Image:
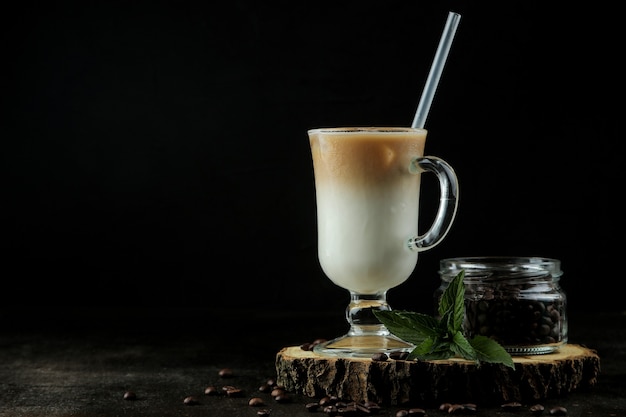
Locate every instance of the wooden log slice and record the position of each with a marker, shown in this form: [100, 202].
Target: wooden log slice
[396, 382]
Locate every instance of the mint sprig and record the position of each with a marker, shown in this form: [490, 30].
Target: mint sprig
[443, 338]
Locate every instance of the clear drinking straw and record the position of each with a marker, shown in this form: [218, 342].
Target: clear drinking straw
[435, 70]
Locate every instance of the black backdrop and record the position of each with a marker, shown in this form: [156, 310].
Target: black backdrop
[155, 153]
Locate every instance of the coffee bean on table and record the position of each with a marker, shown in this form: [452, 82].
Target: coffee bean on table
[282, 398]
[366, 407]
[234, 392]
[211, 390]
[371, 405]
[445, 407]
[331, 410]
[265, 388]
[512, 406]
[256, 402]
[558, 411]
[312, 406]
[456, 409]
[277, 391]
[348, 409]
[470, 408]
[263, 413]
[130, 396]
[226, 373]
[328, 400]
[536, 409]
[191, 400]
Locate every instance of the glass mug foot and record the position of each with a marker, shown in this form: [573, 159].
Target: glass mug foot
[363, 346]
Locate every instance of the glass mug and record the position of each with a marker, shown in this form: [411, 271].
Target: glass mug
[367, 183]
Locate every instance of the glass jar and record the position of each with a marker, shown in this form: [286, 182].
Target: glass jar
[516, 301]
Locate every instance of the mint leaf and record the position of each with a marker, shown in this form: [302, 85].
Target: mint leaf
[432, 348]
[488, 350]
[462, 347]
[443, 338]
[451, 305]
[409, 326]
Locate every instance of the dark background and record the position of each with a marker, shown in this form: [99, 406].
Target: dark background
[155, 155]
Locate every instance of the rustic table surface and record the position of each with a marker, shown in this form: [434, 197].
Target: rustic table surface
[83, 362]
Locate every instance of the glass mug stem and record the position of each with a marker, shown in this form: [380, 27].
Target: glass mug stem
[367, 335]
[360, 313]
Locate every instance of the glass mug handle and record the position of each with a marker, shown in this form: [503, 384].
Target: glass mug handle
[448, 201]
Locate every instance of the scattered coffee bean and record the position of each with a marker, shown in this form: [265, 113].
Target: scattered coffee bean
[277, 391]
[282, 398]
[263, 413]
[364, 410]
[347, 410]
[234, 392]
[333, 406]
[256, 402]
[558, 411]
[191, 400]
[265, 388]
[367, 408]
[312, 407]
[326, 401]
[271, 382]
[380, 357]
[445, 406]
[130, 396]
[536, 409]
[226, 373]
[512, 406]
[417, 412]
[402, 413]
[211, 390]
[456, 409]
[371, 404]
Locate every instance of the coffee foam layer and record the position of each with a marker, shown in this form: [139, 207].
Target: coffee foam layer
[364, 157]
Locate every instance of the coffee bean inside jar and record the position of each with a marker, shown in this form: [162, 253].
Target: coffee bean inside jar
[516, 301]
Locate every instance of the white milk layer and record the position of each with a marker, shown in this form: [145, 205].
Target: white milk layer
[363, 236]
